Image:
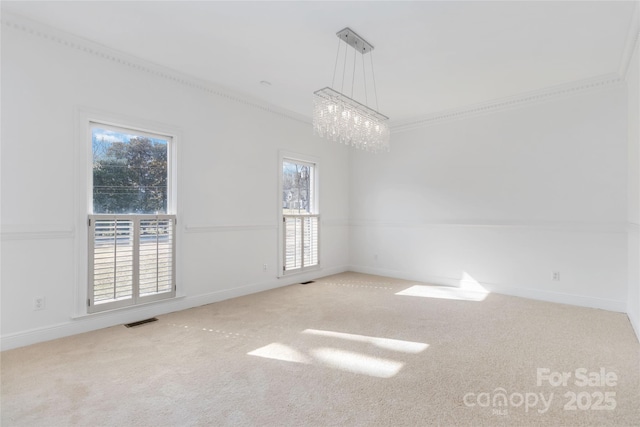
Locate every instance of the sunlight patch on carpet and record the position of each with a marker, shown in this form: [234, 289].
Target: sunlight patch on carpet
[468, 289]
[282, 352]
[348, 361]
[357, 363]
[443, 292]
[386, 343]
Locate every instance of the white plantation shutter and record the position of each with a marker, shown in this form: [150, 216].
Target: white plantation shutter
[310, 233]
[293, 243]
[132, 259]
[301, 241]
[156, 256]
[113, 242]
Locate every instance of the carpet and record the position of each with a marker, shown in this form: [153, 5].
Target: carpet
[346, 350]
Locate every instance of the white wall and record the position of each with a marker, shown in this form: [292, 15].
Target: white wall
[503, 200]
[227, 177]
[633, 91]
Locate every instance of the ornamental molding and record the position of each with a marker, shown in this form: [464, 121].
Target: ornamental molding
[16, 22]
[508, 103]
[54, 35]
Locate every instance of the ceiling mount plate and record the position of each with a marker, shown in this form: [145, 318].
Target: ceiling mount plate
[354, 40]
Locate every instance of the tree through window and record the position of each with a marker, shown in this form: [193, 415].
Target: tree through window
[296, 188]
[129, 173]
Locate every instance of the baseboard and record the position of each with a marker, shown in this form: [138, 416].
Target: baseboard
[107, 319]
[634, 319]
[561, 298]
[635, 324]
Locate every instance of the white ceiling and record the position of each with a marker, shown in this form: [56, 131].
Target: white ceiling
[429, 56]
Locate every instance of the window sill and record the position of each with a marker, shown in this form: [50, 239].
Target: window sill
[300, 272]
[127, 308]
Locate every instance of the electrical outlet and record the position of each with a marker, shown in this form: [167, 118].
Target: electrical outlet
[556, 276]
[38, 303]
[375, 257]
[264, 267]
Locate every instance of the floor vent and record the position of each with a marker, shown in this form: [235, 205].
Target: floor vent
[306, 283]
[140, 322]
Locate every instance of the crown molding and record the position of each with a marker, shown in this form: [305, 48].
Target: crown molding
[508, 103]
[17, 22]
[632, 42]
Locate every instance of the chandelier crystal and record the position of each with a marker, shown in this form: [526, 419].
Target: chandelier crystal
[340, 118]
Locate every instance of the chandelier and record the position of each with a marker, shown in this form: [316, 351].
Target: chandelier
[339, 117]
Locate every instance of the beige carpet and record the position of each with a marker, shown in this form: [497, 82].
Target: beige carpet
[346, 350]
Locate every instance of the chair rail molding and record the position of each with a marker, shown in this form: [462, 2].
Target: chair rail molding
[559, 226]
[35, 232]
[222, 227]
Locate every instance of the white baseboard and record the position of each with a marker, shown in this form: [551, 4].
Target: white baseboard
[635, 323]
[92, 322]
[561, 298]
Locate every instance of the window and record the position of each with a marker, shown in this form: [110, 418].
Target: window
[300, 219]
[131, 225]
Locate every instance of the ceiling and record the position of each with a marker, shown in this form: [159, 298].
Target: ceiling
[429, 56]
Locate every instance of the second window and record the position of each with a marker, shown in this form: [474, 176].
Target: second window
[300, 218]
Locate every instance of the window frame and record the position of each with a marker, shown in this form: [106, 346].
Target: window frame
[314, 208]
[85, 118]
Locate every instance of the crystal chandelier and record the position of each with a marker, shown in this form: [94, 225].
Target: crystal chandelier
[339, 117]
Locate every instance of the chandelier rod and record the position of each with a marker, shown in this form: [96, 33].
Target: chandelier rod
[335, 67]
[364, 74]
[375, 90]
[344, 69]
[353, 79]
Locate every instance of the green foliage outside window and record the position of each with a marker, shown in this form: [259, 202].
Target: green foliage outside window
[129, 173]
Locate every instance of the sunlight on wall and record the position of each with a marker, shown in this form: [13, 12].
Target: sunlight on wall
[386, 343]
[469, 283]
[469, 290]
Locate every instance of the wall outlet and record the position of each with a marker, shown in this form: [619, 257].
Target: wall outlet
[375, 257]
[556, 276]
[264, 267]
[38, 303]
